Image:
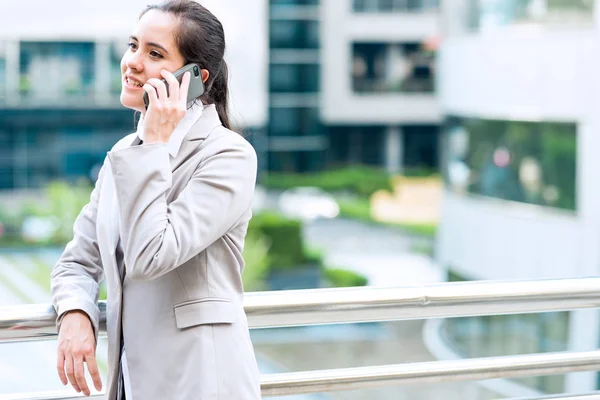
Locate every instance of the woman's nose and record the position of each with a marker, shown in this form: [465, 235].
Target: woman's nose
[134, 62]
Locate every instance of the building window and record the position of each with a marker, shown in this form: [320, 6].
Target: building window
[294, 34]
[385, 67]
[7, 155]
[294, 122]
[38, 146]
[420, 154]
[529, 162]
[394, 5]
[489, 15]
[350, 145]
[52, 71]
[294, 78]
[296, 161]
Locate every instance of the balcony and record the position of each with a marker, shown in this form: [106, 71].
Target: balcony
[388, 68]
[332, 306]
[47, 75]
[386, 6]
[485, 16]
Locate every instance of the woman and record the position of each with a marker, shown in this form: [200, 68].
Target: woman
[165, 226]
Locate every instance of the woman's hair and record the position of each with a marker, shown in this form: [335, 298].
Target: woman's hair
[201, 40]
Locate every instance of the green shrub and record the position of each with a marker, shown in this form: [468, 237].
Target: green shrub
[360, 180]
[359, 208]
[10, 226]
[314, 256]
[257, 260]
[63, 203]
[426, 230]
[343, 278]
[286, 247]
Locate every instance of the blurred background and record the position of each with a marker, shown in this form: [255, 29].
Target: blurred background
[400, 143]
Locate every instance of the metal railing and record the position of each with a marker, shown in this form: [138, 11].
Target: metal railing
[330, 306]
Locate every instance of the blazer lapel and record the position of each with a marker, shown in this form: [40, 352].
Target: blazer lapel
[113, 219]
[197, 133]
[107, 222]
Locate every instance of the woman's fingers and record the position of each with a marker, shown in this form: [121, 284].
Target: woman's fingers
[60, 367]
[152, 95]
[92, 367]
[69, 366]
[161, 88]
[173, 84]
[79, 372]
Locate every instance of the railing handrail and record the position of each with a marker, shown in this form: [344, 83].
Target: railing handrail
[326, 306]
[294, 383]
[366, 304]
[586, 396]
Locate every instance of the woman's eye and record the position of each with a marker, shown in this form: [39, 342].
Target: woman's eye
[132, 45]
[155, 54]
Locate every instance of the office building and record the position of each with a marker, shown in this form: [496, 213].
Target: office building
[353, 82]
[519, 93]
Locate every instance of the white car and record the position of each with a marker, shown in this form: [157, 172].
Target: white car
[308, 203]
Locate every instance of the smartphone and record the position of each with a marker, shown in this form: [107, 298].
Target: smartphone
[196, 88]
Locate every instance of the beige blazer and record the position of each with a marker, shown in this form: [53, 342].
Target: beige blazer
[182, 223]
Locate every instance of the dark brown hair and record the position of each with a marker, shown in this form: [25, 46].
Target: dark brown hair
[201, 40]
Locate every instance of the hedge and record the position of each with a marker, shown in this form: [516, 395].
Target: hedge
[359, 180]
[284, 235]
[343, 278]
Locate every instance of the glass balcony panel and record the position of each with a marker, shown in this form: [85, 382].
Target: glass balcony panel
[528, 162]
[392, 67]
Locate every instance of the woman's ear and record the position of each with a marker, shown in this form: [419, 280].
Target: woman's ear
[205, 74]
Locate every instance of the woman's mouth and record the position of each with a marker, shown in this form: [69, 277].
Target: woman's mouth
[133, 82]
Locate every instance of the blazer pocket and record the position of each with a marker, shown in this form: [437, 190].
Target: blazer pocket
[204, 312]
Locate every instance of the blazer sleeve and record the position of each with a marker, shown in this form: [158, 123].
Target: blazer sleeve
[158, 237]
[78, 272]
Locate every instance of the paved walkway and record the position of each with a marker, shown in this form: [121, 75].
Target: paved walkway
[386, 256]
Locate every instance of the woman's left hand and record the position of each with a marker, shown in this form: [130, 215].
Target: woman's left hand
[164, 112]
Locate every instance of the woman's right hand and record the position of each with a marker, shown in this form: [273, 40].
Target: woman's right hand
[76, 345]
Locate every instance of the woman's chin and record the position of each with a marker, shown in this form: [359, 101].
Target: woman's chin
[127, 100]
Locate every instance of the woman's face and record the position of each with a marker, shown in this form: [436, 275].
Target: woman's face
[151, 49]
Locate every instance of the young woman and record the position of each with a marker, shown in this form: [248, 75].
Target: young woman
[165, 226]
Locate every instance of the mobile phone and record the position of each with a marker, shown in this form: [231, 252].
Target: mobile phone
[196, 88]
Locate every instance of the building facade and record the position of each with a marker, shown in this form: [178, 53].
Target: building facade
[518, 90]
[353, 82]
[296, 138]
[378, 67]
